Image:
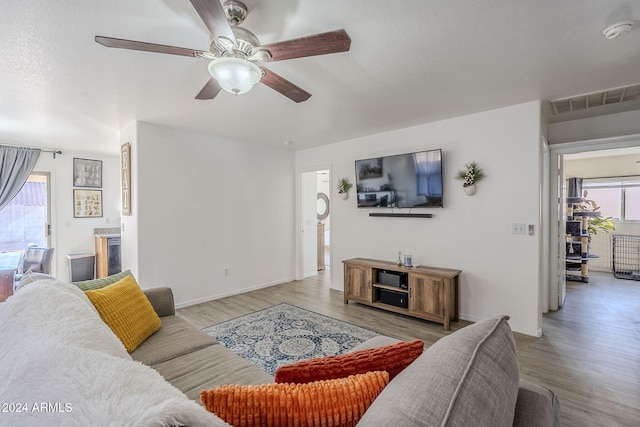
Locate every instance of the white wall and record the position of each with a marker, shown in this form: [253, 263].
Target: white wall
[596, 167]
[626, 123]
[500, 271]
[203, 205]
[75, 235]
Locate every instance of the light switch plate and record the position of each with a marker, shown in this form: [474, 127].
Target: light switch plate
[518, 228]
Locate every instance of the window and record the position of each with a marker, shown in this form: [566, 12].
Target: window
[632, 203]
[618, 198]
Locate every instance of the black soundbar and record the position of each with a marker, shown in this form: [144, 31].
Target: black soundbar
[401, 215]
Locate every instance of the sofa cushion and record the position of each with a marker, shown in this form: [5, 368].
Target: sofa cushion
[467, 378]
[210, 367]
[338, 402]
[35, 314]
[536, 407]
[391, 358]
[30, 277]
[126, 310]
[88, 285]
[176, 337]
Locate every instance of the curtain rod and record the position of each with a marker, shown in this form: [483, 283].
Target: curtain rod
[55, 151]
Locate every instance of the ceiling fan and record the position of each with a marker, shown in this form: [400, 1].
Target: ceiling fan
[235, 51]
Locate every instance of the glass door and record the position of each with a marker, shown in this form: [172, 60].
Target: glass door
[26, 220]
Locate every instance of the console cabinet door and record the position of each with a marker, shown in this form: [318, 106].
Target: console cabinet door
[426, 297]
[357, 283]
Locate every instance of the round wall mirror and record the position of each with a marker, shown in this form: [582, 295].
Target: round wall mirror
[323, 206]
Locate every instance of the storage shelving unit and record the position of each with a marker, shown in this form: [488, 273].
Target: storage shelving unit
[577, 242]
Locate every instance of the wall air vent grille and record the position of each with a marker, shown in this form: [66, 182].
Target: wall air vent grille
[595, 99]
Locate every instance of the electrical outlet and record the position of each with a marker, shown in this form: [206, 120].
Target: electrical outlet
[518, 228]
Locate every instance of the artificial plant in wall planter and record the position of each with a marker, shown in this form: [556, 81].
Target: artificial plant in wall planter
[469, 176]
[343, 188]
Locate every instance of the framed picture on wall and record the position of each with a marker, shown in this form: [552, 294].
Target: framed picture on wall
[87, 173]
[87, 203]
[125, 178]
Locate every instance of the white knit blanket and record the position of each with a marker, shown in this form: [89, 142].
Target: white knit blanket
[60, 365]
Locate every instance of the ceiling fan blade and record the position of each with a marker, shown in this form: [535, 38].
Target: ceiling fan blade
[210, 90]
[147, 47]
[213, 16]
[318, 44]
[283, 86]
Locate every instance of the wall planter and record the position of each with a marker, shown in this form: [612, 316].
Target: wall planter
[343, 188]
[470, 190]
[469, 176]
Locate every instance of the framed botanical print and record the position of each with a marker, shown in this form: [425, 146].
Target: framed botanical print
[87, 173]
[87, 203]
[125, 178]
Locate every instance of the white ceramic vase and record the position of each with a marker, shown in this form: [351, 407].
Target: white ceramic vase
[470, 190]
[344, 196]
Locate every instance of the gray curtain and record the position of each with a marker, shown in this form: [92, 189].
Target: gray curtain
[16, 163]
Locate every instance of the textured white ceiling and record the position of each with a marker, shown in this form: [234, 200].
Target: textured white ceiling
[411, 62]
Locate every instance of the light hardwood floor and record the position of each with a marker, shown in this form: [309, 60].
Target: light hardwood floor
[589, 354]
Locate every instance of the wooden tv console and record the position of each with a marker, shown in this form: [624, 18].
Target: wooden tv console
[432, 292]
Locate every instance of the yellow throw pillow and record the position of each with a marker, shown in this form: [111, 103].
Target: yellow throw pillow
[337, 402]
[127, 311]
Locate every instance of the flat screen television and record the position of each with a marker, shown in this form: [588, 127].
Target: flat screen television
[412, 180]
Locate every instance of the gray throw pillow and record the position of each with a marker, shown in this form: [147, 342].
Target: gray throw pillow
[90, 285]
[470, 377]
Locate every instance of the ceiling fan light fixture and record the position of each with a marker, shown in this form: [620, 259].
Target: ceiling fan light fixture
[235, 75]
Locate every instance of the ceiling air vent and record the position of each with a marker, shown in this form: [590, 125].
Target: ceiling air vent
[596, 99]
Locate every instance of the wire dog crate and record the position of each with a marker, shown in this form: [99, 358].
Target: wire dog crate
[626, 256]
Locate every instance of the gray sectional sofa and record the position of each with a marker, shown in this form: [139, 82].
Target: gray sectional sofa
[468, 378]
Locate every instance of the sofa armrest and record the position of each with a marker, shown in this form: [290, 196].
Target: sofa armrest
[161, 300]
[536, 406]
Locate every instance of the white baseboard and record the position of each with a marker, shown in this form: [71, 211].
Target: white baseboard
[232, 293]
[532, 333]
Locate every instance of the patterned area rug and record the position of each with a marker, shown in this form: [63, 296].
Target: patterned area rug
[285, 334]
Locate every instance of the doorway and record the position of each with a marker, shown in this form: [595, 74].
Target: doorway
[314, 223]
[559, 152]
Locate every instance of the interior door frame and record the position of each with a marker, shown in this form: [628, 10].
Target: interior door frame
[556, 205]
[299, 213]
[49, 225]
